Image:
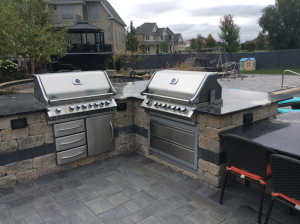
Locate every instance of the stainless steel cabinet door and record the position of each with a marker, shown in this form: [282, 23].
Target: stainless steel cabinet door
[100, 134]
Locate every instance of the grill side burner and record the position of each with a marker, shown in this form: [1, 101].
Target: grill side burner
[171, 100]
[80, 105]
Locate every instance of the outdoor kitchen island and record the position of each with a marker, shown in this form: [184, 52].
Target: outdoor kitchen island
[28, 152]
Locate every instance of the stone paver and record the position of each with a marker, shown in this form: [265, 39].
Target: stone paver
[143, 191]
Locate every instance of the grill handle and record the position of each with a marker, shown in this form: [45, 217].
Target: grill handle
[81, 97]
[112, 135]
[68, 157]
[66, 129]
[167, 97]
[67, 143]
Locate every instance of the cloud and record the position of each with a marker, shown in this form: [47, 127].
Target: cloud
[236, 10]
[146, 10]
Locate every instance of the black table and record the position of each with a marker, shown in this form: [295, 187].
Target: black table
[282, 134]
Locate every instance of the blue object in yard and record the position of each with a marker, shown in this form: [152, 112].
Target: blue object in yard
[293, 100]
[280, 110]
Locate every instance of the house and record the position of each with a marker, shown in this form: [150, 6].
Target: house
[150, 36]
[187, 43]
[96, 30]
[247, 64]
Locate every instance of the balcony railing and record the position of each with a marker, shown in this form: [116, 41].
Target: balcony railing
[66, 20]
[90, 48]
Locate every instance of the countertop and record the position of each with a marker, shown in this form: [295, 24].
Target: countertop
[234, 100]
[280, 133]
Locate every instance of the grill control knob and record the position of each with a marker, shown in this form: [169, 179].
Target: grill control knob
[84, 105]
[96, 104]
[177, 108]
[183, 109]
[167, 106]
[72, 107]
[78, 106]
[90, 105]
[107, 102]
[155, 103]
[58, 109]
[163, 105]
[102, 103]
[159, 104]
[173, 107]
[147, 102]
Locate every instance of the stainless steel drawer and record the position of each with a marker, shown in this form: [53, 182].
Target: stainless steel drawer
[71, 155]
[69, 128]
[173, 150]
[70, 141]
[173, 134]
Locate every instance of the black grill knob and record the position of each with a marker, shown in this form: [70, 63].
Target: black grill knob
[177, 108]
[72, 107]
[183, 109]
[155, 103]
[173, 107]
[163, 105]
[84, 105]
[159, 104]
[147, 102]
[96, 104]
[107, 102]
[102, 103]
[167, 106]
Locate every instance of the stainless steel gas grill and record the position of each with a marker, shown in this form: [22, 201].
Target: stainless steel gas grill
[171, 100]
[80, 105]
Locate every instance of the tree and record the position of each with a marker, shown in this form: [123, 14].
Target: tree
[281, 21]
[210, 41]
[132, 46]
[34, 37]
[164, 46]
[230, 33]
[249, 46]
[260, 41]
[199, 42]
[193, 43]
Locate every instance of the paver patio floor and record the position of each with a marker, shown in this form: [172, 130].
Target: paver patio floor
[131, 188]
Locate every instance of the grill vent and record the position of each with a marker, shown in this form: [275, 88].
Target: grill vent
[68, 102]
[177, 102]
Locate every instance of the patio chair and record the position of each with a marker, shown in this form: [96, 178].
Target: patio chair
[248, 160]
[286, 180]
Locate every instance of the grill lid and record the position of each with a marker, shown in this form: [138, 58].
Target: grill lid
[72, 85]
[188, 86]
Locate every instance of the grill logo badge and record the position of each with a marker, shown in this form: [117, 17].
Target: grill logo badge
[173, 81]
[77, 81]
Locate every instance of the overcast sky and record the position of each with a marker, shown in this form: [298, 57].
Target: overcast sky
[192, 17]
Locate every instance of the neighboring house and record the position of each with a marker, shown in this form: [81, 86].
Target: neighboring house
[150, 36]
[96, 29]
[187, 43]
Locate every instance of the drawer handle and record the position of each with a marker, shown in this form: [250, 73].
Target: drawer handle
[67, 143]
[66, 129]
[68, 157]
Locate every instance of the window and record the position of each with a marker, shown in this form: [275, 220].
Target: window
[140, 38]
[67, 12]
[147, 37]
[153, 37]
[120, 40]
[94, 13]
[162, 37]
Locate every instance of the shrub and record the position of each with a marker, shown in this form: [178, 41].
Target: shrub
[111, 64]
[8, 68]
[118, 63]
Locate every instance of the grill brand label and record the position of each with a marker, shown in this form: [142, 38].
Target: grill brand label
[173, 81]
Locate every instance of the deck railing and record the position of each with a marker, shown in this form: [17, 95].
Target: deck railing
[287, 86]
[90, 48]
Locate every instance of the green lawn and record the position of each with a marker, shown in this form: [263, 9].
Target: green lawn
[271, 71]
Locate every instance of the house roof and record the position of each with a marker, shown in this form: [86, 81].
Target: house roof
[83, 27]
[146, 28]
[176, 38]
[160, 31]
[112, 12]
[169, 31]
[246, 59]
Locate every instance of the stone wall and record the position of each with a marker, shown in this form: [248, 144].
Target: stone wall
[211, 165]
[17, 85]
